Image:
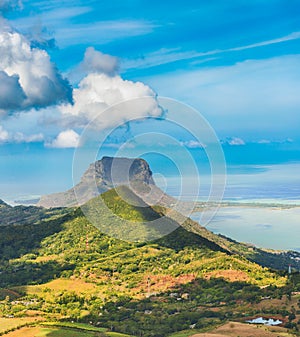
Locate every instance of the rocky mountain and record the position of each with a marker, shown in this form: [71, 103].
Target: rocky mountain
[101, 176]
[126, 184]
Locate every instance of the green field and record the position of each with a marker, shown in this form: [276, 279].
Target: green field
[55, 329]
[61, 332]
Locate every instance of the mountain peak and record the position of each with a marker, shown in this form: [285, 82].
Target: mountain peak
[115, 171]
[102, 175]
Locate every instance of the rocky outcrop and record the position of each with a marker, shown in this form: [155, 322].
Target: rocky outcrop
[101, 176]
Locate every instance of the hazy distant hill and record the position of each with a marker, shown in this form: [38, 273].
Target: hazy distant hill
[20, 215]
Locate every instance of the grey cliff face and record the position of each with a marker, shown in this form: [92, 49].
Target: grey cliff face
[115, 171]
[101, 176]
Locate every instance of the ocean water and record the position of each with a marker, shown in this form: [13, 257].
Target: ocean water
[267, 227]
[273, 182]
[264, 226]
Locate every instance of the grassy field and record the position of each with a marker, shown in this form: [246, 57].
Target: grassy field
[11, 323]
[76, 285]
[49, 332]
[79, 326]
[61, 329]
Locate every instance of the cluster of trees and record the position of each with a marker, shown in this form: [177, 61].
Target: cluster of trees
[164, 314]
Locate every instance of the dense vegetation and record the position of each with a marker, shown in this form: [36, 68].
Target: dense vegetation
[60, 267]
[21, 215]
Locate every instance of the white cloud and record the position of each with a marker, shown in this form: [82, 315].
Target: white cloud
[96, 100]
[28, 79]
[66, 139]
[51, 16]
[4, 135]
[102, 32]
[193, 144]
[19, 137]
[170, 55]
[97, 62]
[289, 37]
[68, 32]
[159, 57]
[277, 141]
[98, 94]
[235, 141]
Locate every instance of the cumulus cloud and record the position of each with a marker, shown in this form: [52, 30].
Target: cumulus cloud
[66, 139]
[25, 73]
[28, 79]
[11, 93]
[96, 62]
[235, 141]
[40, 37]
[101, 90]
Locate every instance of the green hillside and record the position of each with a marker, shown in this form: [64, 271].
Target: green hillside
[127, 205]
[63, 268]
[122, 214]
[20, 215]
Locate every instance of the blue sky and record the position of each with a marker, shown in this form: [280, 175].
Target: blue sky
[236, 62]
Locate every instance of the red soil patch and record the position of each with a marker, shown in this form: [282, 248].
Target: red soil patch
[229, 275]
[160, 283]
